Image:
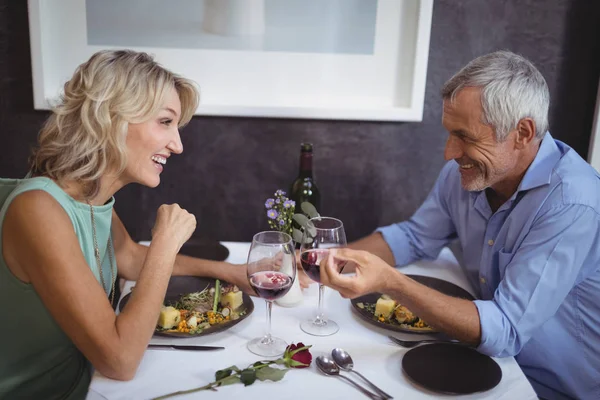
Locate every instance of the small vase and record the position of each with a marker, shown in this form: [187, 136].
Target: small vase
[294, 296]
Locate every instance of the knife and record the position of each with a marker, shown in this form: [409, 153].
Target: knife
[184, 347]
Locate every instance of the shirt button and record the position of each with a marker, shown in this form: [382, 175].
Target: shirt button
[491, 242]
[482, 279]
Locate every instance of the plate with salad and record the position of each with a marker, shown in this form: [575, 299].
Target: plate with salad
[195, 306]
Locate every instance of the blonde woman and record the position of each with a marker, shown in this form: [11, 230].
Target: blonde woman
[62, 244]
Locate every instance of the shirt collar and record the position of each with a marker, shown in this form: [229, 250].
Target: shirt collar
[540, 171]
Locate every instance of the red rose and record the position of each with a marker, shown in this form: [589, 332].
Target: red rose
[297, 356]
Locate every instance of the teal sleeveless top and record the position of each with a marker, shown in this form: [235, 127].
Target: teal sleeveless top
[37, 359]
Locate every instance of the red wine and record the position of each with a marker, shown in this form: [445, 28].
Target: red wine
[270, 285]
[311, 262]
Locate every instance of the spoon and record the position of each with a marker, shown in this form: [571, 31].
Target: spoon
[328, 367]
[344, 361]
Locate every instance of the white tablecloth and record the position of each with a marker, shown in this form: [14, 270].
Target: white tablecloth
[166, 371]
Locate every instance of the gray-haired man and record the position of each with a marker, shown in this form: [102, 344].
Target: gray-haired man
[526, 209]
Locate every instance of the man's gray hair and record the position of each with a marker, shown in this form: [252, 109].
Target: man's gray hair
[511, 89]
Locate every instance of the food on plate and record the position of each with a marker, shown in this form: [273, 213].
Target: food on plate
[232, 299]
[388, 311]
[384, 307]
[403, 315]
[196, 312]
[169, 317]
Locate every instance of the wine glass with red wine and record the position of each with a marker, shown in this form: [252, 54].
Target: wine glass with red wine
[321, 234]
[271, 272]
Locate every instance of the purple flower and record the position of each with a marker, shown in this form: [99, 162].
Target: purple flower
[279, 192]
[289, 203]
[272, 214]
[277, 201]
[269, 203]
[281, 222]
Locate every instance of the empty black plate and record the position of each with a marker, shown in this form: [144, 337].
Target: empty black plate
[451, 368]
[201, 247]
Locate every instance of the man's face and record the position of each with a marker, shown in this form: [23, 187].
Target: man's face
[483, 161]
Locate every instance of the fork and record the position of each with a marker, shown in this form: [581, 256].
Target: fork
[413, 343]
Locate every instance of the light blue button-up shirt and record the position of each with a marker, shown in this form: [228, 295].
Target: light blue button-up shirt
[536, 262]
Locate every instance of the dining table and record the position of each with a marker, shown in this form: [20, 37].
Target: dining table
[165, 371]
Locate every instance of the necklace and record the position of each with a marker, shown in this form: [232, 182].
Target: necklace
[110, 257]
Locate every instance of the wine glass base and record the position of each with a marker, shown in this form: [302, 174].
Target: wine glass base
[328, 328]
[275, 347]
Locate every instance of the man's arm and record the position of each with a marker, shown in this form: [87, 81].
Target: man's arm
[422, 236]
[458, 318]
[375, 244]
[542, 272]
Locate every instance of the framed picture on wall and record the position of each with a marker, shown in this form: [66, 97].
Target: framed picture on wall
[334, 59]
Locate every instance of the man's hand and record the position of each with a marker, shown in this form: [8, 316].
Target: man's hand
[371, 272]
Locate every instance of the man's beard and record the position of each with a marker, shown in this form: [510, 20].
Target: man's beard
[475, 183]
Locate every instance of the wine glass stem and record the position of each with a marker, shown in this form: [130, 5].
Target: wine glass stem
[267, 338]
[320, 319]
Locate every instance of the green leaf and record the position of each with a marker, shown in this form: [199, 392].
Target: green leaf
[230, 380]
[297, 235]
[309, 209]
[312, 231]
[301, 219]
[248, 376]
[271, 374]
[224, 373]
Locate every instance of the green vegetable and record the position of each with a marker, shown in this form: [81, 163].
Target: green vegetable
[217, 295]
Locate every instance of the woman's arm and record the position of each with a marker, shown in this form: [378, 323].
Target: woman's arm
[39, 241]
[130, 257]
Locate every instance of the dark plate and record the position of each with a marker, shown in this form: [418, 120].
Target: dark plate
[180, 285]
[451, 368]
[440, 285]
[201, 247]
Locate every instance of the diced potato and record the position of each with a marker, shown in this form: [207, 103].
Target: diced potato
[169, 317]
[384, 307]
[232, 300]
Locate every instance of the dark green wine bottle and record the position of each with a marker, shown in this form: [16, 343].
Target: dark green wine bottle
[304, 187]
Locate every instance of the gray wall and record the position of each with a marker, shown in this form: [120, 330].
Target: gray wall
[369, 173]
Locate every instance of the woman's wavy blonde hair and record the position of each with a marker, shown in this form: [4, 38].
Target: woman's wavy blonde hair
[86, 133]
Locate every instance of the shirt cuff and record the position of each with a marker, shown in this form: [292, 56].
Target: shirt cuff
[396, 238]
[495, 330]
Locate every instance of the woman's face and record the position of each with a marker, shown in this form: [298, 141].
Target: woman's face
[151, 143]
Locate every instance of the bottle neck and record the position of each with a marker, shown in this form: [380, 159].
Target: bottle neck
[306, 165]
